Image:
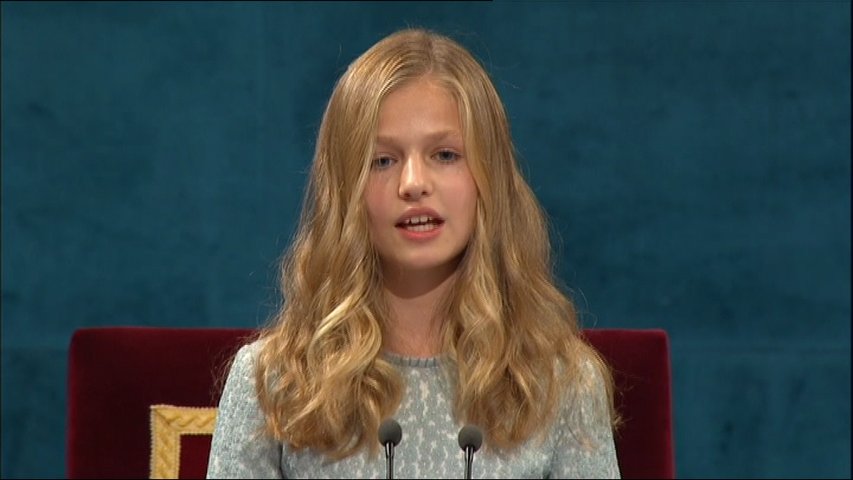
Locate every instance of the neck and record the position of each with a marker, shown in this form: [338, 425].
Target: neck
[414, 298]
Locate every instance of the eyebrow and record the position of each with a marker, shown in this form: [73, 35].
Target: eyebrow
[431, 137]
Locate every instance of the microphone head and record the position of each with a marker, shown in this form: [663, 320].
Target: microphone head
[470, 436]
[390, 432]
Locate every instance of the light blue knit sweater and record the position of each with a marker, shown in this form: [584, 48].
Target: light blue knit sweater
[429, 448]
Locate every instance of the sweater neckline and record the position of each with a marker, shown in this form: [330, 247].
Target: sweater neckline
[408, 361]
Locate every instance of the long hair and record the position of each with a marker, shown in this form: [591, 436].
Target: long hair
[511, 337]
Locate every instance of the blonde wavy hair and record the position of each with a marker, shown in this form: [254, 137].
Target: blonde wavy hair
[511, 337]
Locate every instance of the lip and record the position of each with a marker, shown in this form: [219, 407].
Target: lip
[417, 212]
[420, 236]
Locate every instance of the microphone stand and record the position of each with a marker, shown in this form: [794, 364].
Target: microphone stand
[389, 435]
[389, 459]
[470, 439]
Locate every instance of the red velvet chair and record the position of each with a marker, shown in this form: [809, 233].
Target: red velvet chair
[117, 374]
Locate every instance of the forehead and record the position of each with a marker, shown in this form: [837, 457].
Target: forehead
[422, 104]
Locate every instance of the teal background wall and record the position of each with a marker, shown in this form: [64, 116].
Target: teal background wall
[694, 158]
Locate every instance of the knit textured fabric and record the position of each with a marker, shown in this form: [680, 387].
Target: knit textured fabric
[429, 447]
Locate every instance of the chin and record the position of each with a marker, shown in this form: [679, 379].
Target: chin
[425, 265]
[420, 264]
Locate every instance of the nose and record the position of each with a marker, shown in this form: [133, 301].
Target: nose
[414, 180]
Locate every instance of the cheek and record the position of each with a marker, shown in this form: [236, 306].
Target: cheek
[372, 202]
[468, 194]
[378, 207]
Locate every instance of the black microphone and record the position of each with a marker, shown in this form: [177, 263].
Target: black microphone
[390, 435]
[470, 439]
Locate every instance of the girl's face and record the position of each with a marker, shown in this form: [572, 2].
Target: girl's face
[420, 197]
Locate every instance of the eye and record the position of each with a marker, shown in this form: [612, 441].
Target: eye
[381, 162]
[447, 156]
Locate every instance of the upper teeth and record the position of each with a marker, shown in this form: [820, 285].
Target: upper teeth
[418, 220]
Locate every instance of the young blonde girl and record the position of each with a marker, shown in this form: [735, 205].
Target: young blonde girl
[418, 287]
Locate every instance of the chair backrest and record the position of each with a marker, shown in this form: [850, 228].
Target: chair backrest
[641, 371]
[117, 374]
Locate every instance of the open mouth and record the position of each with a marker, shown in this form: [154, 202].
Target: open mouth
[420, 223]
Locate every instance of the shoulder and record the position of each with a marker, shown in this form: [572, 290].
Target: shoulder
[240, 448]
[241, 374]
[591, 374]
[586, 374]
[246, 357]
[586, 398]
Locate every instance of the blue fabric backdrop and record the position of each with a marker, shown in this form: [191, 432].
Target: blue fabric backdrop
[694, 158]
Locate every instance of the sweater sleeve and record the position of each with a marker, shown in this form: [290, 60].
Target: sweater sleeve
[584, 445]
[239, 449]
